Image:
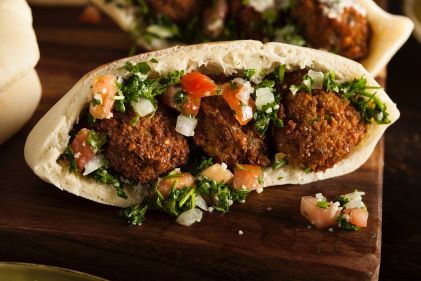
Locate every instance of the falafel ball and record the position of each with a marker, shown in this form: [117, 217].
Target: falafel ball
[346, 33]
[175, 10]
[146, 150]
[220, 136]
[248, 20]
[319, 130]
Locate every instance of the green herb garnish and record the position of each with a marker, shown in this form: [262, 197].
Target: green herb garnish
[102, 175]
[203, 164]
[249, 73]
[135, 215]
[180, 97]
[322, 204]
[96, 140]
[342, 223]
[68, 154]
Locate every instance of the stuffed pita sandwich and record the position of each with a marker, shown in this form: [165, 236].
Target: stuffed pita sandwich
[356, 29]
[206, 124]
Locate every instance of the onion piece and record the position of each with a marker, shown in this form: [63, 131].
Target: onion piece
[189, 217]
[263, 97]
[245, 90]
[317, 77]
[201, 203]
[160, 31]
[186, 125]
[143, 107]
[94, 164]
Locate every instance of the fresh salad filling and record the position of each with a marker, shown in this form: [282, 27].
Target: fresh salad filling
[338, 26]
[347, 212]
[197, 141]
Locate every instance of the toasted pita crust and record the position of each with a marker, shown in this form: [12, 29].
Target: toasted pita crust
[18, 103]
[49, 138]
[389, 32]
[18, 49]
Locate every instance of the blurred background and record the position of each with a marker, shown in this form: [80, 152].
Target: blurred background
[401, 246]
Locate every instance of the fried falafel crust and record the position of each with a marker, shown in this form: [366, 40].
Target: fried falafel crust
[347, 35]
[221, 137]
[145, 150]
[320, 129]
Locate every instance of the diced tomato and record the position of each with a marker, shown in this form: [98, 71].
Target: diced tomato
[82, 151]
[320, 217]
[243, 112]
[358, 216]
[248, 176]
[198, 84]
[104, 89]
[218, 173]
[177, 181]
[189, 107]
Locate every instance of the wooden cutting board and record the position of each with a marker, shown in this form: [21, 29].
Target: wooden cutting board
[41, 224]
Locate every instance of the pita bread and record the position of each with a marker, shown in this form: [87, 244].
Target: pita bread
[49, 138]
[18, 102]
[18, 49]
[389, 32]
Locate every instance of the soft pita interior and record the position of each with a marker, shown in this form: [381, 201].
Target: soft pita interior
[49, 138]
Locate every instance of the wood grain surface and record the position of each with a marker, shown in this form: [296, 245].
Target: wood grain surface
[41, 224]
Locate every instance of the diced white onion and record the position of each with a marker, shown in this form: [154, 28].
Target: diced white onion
[317, 77]
[160, 31]
[245, 90]
[189, 217]
[261, 5]
[186, 125]
[263, 97]
[96, 162]
[201, 203]
[247, 112]
[218, 173]
[320, 197]
[143, 107]
[354, 200]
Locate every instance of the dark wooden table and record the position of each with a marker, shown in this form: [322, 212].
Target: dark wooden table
[401, 242]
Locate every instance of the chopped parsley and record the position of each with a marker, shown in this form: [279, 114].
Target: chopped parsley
[68, 154]
[221, 195]
[96, 100]
[323, 204]
[249, 73]
[233, 85]
[135, 215]
[344, 224]
[289, 34]
[96, 140]
[279, 163]
[280, 73]
[102, 175]
[201, 164]
[269, 112]
[342, 200]
[177, 202]
[180, 97]
[138, 85]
